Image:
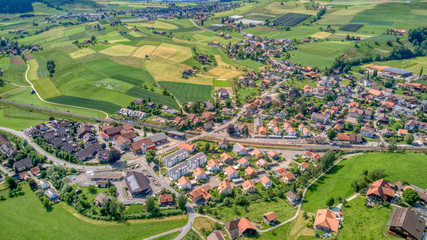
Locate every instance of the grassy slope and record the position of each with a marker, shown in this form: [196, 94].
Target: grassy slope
[398, 167]
[26, 212]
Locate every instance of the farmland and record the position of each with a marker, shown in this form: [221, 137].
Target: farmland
[291, 19]
[351, 27]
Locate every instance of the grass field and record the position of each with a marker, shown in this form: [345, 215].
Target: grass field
[398, 167]
[119, 50]
[224, 70]
[65, 222]
[291, 19]
[362, 222]
[257, 209]
[82, 53]
[87, 103]
[45, 88]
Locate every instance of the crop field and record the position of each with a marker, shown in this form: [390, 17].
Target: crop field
[351, 27]
[321, 35]
[291, 19]
[32, 73]
[215, 27]
[16, 60]
[45, 88]
[186, 92]
[135, 62]
[344, 15]
[82, 53]
[119, 50]
[224, 70]
[338, 181]
[85, 102]
[156, 24]
[143, 51]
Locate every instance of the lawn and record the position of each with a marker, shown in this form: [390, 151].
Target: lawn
[337, 183]
[168, 236]
[363, 222]
[257, 209]
[65, 222]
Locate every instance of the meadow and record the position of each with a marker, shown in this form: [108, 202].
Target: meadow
[64, 221]
[410, 167]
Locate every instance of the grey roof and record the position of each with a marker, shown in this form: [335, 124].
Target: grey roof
[158, 137]
[408, 220]
[196, 157]
[24, 163]
[177, 167]
[175, 154]
[101, 196]
[397, 70]
[137, 182]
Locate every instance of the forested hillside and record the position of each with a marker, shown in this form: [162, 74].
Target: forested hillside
[16, 6]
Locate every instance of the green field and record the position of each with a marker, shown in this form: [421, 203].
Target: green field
[65, 222]
[186, 92]
[408, 167]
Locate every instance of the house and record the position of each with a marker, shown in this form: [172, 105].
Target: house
[175, 157]
[402, 132]
[257, 153]
[278, 172]
[248, 186]
[24, 176]
[199, 159]
[165, 199]
[137, 183]
[287, 177]
[239, 227]
[178, 170]
[243, 162]
[199, 174]
[226, 158]
[266, 181]
[270, 218]
[184, 183]
[239, 149]
[349, 137]
[199, 194]
[368, 132]
[101, 198]
[142, 146]
[380, 190]
[223, 94]
[215, 235]
[213, 165]
[231, 172]
[262, 162]
[326, 220]
[303, 166]
[23, 164]
[35, 171]
[249, 171]
[122, 142]
[187, 146]
[88, 152]
[307, 155]
[158, 138]
[223, 144]
[319, 118]
[273, 154]
[405, 223]
[292, 198]
[225, 187]
[51, 194]
[44, 184]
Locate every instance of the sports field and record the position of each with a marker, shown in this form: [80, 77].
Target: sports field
[337, 183]
[66, 222]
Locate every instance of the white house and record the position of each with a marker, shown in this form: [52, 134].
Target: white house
[197, 160]
[231, 172]
[239, 149]
[184, 183]
[266, 181]
[175, 157]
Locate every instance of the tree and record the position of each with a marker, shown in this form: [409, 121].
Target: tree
[182, 201]
[421, 72]
[330, 202]
[113, 156]
[392, 147]
[11, 183]
[410, 196]
[150, 155]
[376, 174]
[331, 134]
[92, 189]
[150, 204]
[409, 138]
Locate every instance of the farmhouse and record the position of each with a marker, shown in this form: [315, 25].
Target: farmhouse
[405, 223]
[165, 199]
[100, 198]
[239, 227]
[380, 190]
[326, 220]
